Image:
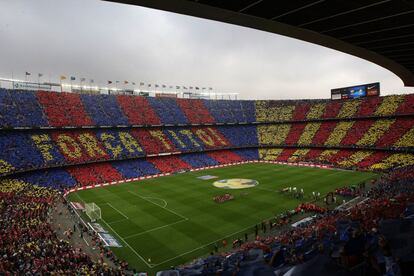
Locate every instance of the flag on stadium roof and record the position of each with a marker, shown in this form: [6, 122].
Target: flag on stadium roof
[164, 86]
[82, 79]
[109, 82]
[156, 85]
[177, 87]
[141, 83]
[126, 82]
[133, 83]
[62, 77]
[149, 85]
[72, 78]
[28, 73]
[92, 81]
[40, 75]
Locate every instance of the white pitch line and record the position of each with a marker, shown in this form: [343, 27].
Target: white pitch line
[127, 244]
[117, 210]
[116, 221]
[85, 241]
[171, 211]
[165, 202]
[154, 229]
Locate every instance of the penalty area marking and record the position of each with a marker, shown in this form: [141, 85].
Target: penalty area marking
[157, 198]
[120, 237]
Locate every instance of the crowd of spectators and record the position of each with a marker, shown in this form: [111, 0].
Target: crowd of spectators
[361, 159]
[225, 111]
[369, 133]
[291, 110]
[28, 243]
[24, 151]
[64, 109]
[106, 172]
[43, 108]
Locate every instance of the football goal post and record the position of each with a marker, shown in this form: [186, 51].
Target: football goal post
[93, 211]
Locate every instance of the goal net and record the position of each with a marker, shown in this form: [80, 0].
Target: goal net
[93, 211]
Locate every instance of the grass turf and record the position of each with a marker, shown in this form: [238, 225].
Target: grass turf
[171, 220]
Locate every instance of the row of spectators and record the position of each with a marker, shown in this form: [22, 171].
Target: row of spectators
[360, 159]
[22, 151]
[385, 133]
[97, 173]
[299, 110]
[42, 109]
[28, 243]
[374, 237]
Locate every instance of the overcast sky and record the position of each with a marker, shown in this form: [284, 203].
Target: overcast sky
[107, 41]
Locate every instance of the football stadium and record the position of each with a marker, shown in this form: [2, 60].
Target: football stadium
[138, 178]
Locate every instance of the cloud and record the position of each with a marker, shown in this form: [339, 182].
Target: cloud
[107, 41]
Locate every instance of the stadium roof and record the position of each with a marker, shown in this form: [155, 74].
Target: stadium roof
[380, 31]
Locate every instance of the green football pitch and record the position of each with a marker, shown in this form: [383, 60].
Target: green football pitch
[167, 221]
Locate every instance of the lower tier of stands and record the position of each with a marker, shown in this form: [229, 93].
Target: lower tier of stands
[23, 151]
[344, 158]
[39, 149]
[96, 173]
[106, 172]
[29, 244]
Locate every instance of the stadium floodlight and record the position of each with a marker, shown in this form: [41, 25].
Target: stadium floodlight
[93, 211]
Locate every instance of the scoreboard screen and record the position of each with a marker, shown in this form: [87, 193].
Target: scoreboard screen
[353, 92]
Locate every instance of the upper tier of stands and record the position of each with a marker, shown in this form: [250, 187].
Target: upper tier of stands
[32, 109]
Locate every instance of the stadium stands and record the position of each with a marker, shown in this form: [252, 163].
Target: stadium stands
[343, 133]
[28, 243]
[64, 140]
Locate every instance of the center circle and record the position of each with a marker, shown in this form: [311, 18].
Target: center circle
[235, 183]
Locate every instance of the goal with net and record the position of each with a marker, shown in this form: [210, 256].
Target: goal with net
[93, 211]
